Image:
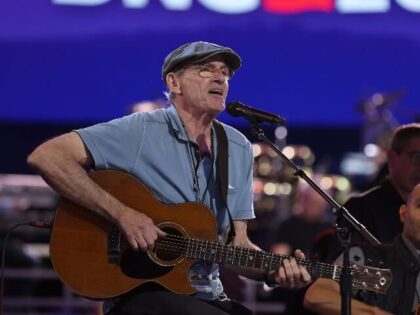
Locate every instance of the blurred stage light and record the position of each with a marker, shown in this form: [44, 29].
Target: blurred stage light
[280, 132]
[269, 189]
[342, 184]
[326, 183]
[256, 149]
[358, 164]
[371, 150]
[289, 151]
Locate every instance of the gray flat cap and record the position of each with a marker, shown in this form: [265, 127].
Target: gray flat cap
[196, 52]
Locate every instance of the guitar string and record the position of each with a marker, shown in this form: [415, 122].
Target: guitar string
[323, 268]
[176, 250]
[178, 240]
[360, 283]
[215, 246]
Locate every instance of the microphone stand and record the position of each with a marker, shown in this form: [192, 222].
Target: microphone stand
[342, 212]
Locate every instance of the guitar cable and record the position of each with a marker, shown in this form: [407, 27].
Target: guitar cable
[37, 224]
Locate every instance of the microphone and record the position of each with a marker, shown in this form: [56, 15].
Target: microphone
[239, 109]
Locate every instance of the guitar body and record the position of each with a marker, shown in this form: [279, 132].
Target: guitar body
[79, 242]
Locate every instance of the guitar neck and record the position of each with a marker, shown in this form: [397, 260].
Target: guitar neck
[241, 256]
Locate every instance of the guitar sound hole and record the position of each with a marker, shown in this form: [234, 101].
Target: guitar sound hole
[169, 248]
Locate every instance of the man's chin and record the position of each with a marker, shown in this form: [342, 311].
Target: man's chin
[216, 109]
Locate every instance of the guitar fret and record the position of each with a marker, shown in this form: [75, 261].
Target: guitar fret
[240, 257]
[334, 273]
[250, 258]
[270, 264]
[206, 250]
[222, 253]
[197, 247]
[193, 246]
[259, 259]
[187, 253]
[233, 255]
[266, 261]
[211, 251]
[229, 253]
[203, 249]
[243, 257]
[309, 266]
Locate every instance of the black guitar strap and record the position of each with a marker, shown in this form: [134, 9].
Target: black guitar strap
[223, 166]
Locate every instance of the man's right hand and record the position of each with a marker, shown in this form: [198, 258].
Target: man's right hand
[139, 229]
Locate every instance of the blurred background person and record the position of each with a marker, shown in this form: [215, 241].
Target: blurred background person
[378, 208]
[402, 257]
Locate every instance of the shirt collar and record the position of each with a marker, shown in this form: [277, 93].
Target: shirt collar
[178, 128]
[176, 123]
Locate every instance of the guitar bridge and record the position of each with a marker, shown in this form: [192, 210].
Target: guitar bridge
[114, 246]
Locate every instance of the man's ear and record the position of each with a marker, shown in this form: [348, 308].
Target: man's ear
[403, 213]
[173, 83]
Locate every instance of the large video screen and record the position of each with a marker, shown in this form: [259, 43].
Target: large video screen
[310, 61]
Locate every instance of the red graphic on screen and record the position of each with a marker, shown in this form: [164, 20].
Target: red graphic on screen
[297, 6]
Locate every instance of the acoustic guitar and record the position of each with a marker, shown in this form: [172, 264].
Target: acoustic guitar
[91, 257]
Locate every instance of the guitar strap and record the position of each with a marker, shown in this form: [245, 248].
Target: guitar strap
[223, 166]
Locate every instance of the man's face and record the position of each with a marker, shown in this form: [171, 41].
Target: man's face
[203, 87]
[410, 216]
[404, 167]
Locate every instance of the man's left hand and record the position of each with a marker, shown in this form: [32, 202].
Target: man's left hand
[290, 275]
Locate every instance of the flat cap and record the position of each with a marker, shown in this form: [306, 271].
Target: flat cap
[196, 52]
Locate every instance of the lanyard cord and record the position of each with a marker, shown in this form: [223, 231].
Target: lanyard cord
[195, 163]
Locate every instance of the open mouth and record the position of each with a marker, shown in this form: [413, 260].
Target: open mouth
[216, 92]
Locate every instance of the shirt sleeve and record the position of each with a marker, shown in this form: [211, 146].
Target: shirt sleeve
[115, 144]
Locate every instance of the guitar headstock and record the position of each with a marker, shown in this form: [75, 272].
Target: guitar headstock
[371, 278]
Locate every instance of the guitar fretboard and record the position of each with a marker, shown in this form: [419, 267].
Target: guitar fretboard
[240, 256]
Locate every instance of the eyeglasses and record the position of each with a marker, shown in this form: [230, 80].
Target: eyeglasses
[414, 157]
[209, 70]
